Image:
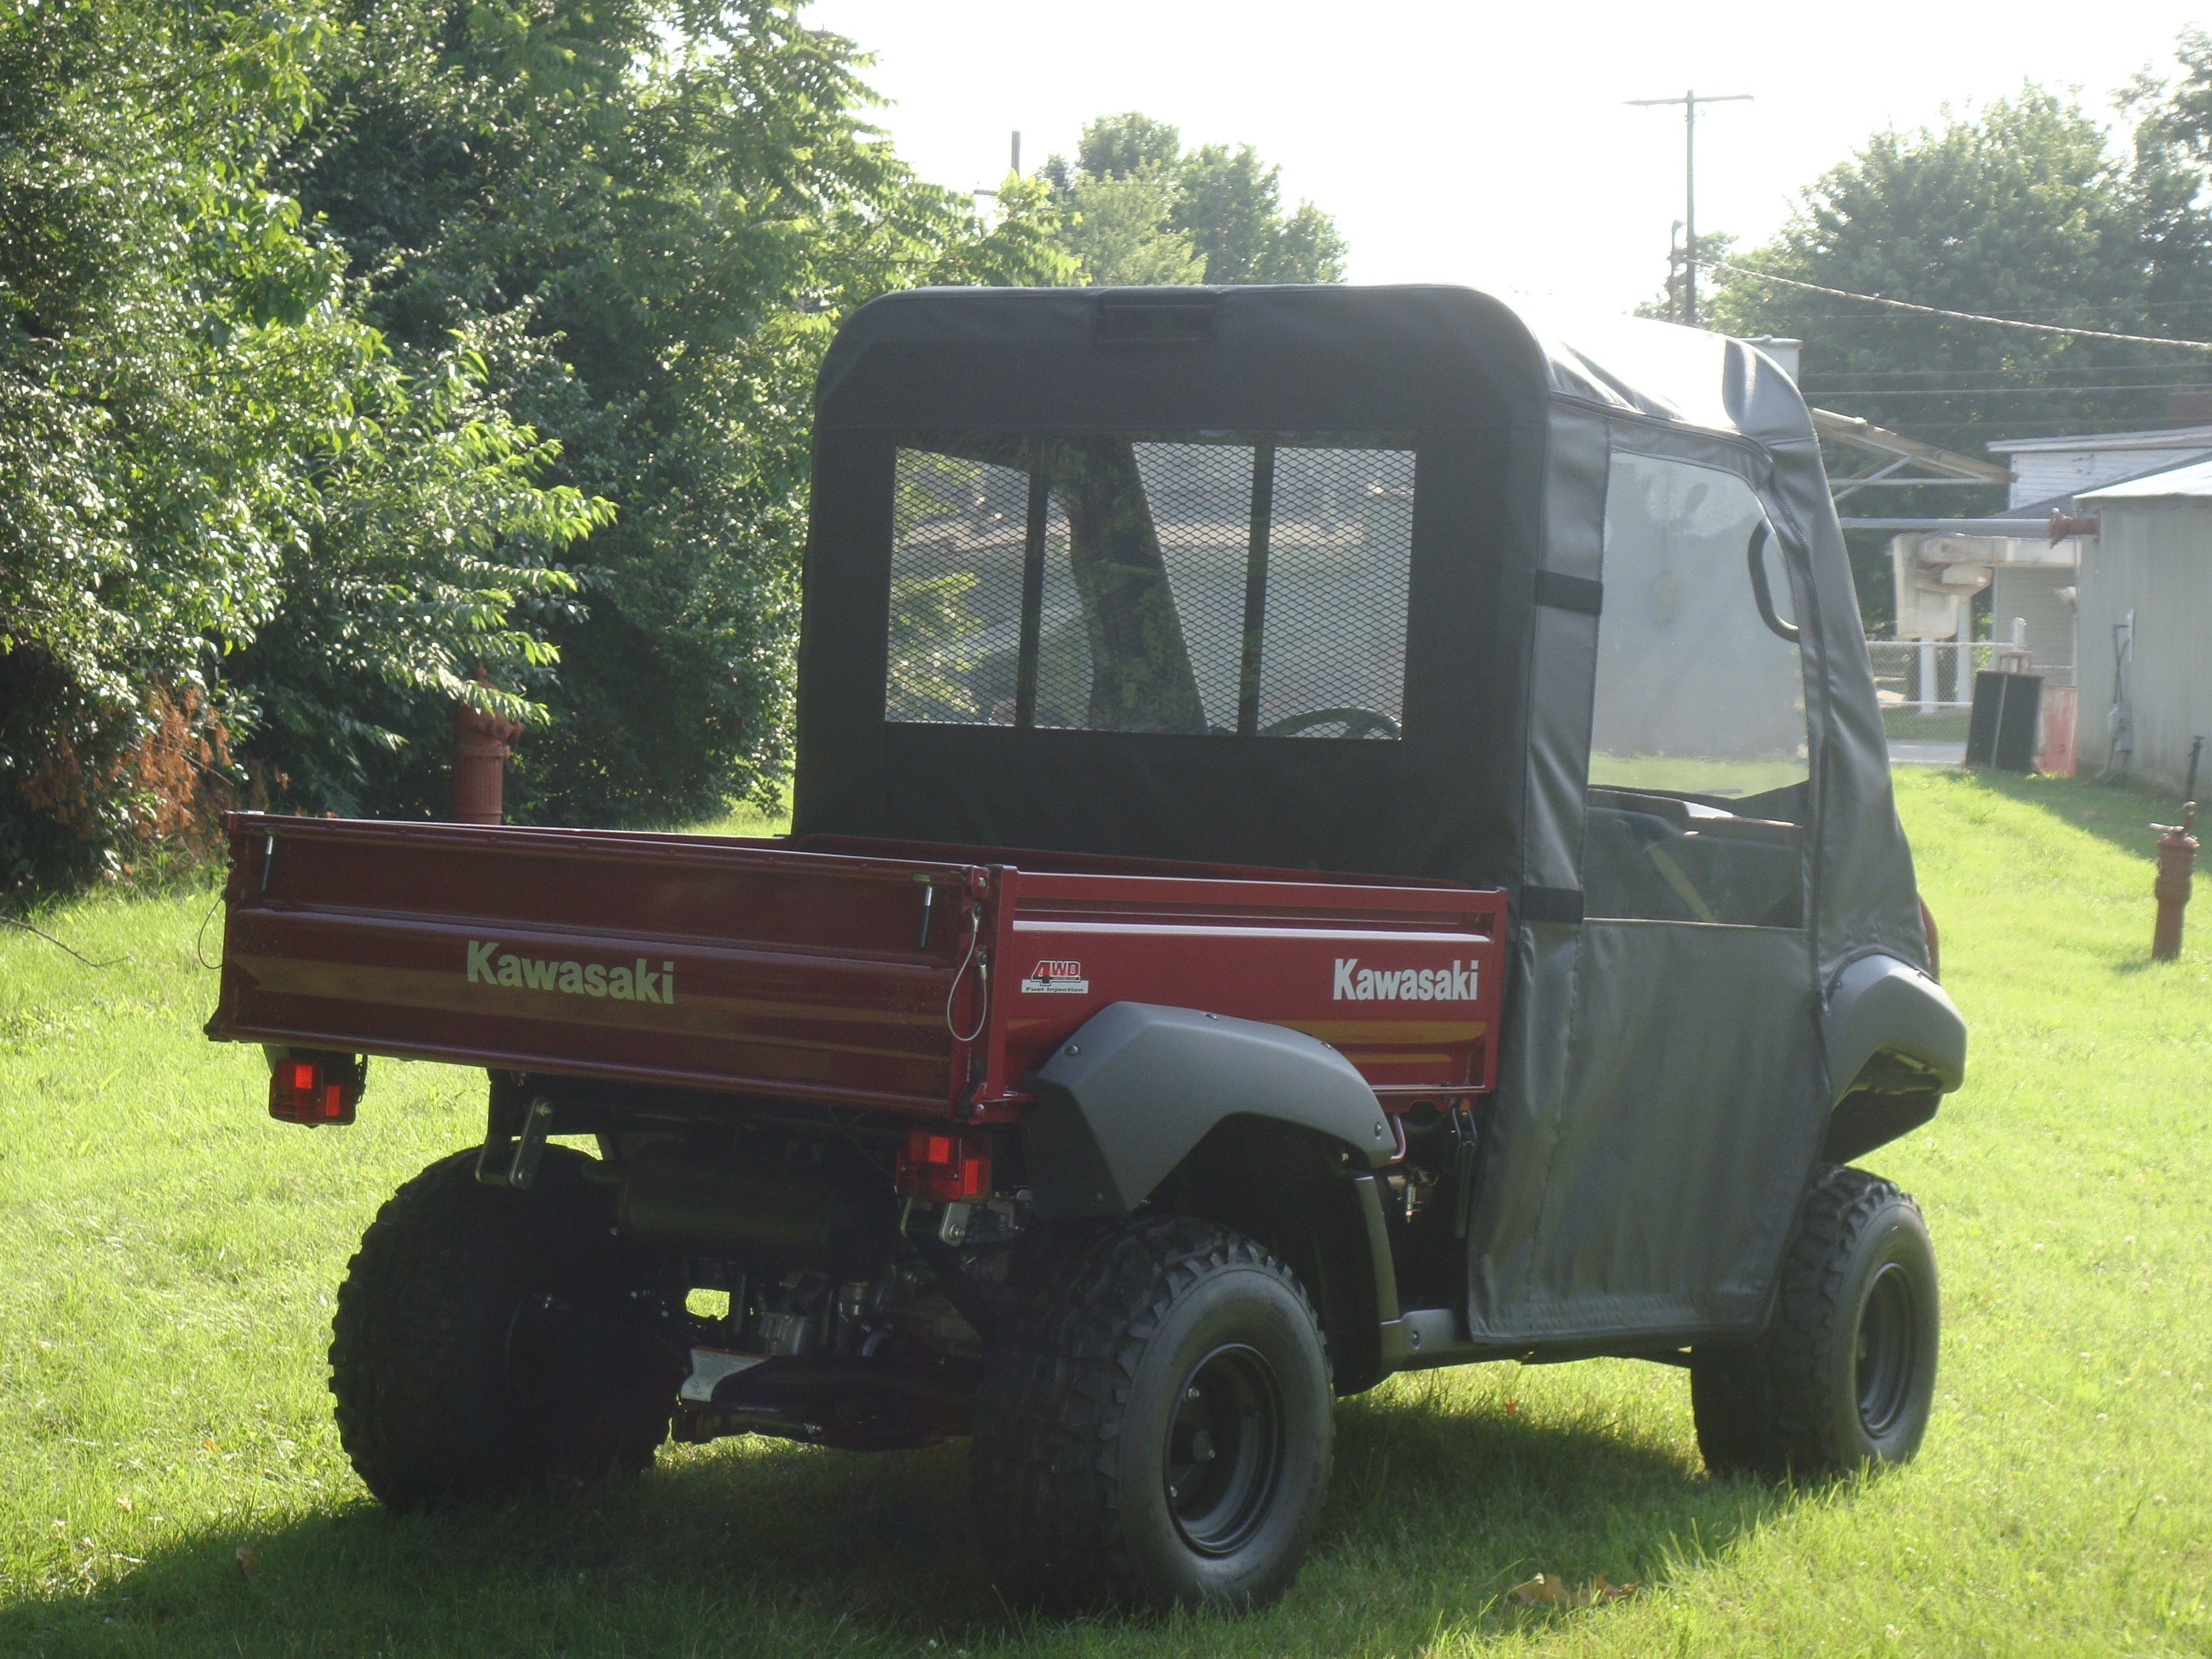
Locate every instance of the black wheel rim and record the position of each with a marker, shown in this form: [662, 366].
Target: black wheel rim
[1224, 1449]
[1888, 1350]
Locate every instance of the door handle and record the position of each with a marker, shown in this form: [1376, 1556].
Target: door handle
[1755, 555]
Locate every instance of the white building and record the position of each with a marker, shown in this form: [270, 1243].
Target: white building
[2047, 470]
[2031, 576]
[2052, 473]
[2145, 620]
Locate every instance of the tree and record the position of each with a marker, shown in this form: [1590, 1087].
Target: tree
[2023, 210]
[648, 216]
[1115, 146]
[1122, 232]
[2168, 181]
[191, 405]
[1231, 207]
[1140, 210]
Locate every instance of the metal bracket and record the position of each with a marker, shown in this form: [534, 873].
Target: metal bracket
[928, 904]
[1464, 1151]
[521, 1154]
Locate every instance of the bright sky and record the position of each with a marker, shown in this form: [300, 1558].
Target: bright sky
[1487, 145]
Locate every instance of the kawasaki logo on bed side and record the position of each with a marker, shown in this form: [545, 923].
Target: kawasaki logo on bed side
[1357, 984]
[577, 979]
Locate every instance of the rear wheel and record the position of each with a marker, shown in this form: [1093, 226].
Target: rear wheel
[1845, 1373]
[486, 1339]
[1158, 1431]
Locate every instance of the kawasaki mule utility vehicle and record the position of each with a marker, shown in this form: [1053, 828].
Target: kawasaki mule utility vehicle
[1336, 830]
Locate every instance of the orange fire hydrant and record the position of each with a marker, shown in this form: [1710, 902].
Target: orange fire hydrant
[480, 752]
[2177, 855]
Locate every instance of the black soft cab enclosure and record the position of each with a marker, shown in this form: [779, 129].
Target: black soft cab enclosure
[1402, 582]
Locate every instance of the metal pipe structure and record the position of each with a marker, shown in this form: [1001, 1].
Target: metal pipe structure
[2177, 856]
[2023, 528]
[480, 755]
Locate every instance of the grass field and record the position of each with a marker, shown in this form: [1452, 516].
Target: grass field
[171, 1486]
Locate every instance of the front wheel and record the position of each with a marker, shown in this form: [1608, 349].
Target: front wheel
[1845, 1375]
[1158, 1431]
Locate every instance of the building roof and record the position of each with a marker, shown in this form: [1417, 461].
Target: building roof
[1855, 432]
[2190, 483]
[2172, 437]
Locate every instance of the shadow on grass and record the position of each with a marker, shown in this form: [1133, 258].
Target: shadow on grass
[1437, 1510]
[2118, 813]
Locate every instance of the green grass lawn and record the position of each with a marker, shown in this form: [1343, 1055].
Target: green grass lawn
[171, 1485]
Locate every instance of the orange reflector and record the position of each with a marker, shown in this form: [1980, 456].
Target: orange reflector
[943, 1169]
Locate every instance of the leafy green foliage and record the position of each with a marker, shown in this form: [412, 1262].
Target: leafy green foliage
[344, 348]
[1231, 207]
[193, 413]
[2023, 209]
[435, 549]
[647, 217]
[2018, 212]
[1115, 146]
[1120, 230]
[1142, 210]
[932, 625]
[348, 346]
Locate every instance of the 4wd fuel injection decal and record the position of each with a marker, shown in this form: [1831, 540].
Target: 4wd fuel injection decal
[579, 979]
[1064, 977]
[1353, 983]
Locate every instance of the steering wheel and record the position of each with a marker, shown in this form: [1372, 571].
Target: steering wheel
[1353, 722]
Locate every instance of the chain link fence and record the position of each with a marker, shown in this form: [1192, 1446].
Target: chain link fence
[1926, 690]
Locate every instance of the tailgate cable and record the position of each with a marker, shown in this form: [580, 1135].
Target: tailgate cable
[983, 974]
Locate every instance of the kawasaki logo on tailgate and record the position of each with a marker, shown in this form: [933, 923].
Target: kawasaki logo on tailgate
[1357, 984]
[578, 979]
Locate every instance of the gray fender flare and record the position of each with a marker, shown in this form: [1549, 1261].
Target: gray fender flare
[1880, 1004]
[1126, 1096]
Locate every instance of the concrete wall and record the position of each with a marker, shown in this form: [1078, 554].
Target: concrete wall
[2154, 557]
[2033, 595]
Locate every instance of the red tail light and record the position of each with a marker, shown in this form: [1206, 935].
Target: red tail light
[943, 1167]
[315, 1089]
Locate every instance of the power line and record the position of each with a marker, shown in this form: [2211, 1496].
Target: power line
[2003, 391]
[1993, 316]
[2022, 429]
[1959, 316]
[2126, 307]
[1823, 376]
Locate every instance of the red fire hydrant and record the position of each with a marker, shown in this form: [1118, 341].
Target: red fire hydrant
[2176, 854]
[480, 752]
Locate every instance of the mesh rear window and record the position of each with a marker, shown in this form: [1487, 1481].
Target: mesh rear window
[1151, 584]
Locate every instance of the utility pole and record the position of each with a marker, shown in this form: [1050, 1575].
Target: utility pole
[1689, 101]
[1013, 163]
[1674, 273]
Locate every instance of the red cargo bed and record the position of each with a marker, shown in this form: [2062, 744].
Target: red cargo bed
[919, 979]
